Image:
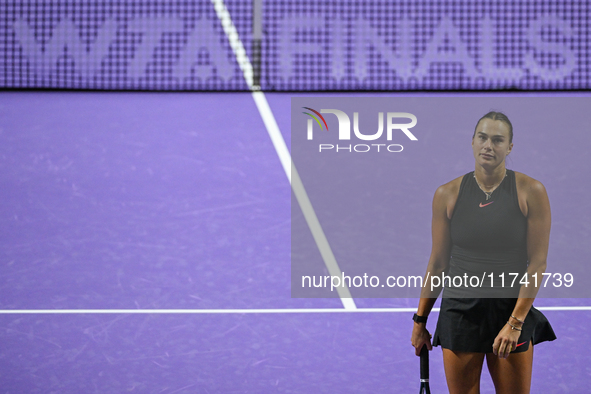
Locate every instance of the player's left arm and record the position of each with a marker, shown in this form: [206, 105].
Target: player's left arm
[538, 238]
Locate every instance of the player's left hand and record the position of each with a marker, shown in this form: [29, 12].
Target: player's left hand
[506, 341]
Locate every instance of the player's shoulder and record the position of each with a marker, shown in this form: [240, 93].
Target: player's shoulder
[449, 189]
[528, 184]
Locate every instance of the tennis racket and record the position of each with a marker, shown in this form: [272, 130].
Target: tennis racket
[425, 371]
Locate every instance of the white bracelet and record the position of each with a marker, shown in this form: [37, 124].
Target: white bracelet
[513, 327]
[519, 320]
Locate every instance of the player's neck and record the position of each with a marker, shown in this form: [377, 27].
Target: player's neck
[488, 177]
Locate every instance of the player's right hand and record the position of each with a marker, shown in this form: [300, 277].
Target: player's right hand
[420, 336]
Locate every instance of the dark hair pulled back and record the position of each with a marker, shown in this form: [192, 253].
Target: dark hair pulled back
[494, 115]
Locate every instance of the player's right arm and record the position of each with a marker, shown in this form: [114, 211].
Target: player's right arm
[443, 205]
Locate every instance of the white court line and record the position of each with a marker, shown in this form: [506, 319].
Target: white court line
[242, 311]
[283, 153]
[203, 311]
[564, 308]
[235, 43]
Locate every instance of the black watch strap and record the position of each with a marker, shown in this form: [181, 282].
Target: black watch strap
[419, 319]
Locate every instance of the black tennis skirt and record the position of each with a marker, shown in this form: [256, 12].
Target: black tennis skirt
[472, 324]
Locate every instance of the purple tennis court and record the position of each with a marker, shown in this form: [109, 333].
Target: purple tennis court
[163, 202]
[149, 200]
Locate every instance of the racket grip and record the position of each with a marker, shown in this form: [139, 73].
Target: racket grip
[424, 362]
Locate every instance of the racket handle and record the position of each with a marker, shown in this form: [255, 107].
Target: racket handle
[424, 362]
[425, 389]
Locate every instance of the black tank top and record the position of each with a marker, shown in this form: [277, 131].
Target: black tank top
[488, 236]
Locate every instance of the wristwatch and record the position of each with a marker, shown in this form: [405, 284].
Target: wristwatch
[419, 319]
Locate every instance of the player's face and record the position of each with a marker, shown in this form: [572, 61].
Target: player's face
[490, 143]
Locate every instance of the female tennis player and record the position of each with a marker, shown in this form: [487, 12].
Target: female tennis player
[491, 220]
